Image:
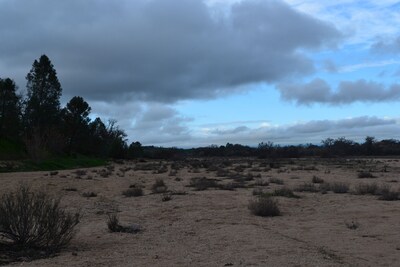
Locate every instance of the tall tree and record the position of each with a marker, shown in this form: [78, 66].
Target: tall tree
[10, 109]
[42, 110]
[76, 123]
[43, 96]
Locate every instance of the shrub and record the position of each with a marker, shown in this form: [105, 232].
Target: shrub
[364, 174]
[202, 183]
[307, 187]
[34, 220]
[114, 225]
[264, 206]
[276, 181]
[388, 194]
[364, 189]
[339, 188]
[89, 194]
[159, 187]
[166, 197]
[284, 192]
[133, 192]
[317, 180]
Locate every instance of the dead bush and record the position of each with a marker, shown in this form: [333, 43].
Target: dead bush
[34, 220]
[264, 206]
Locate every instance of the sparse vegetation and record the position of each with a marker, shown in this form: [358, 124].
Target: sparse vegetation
[89, 194]
[264, 206]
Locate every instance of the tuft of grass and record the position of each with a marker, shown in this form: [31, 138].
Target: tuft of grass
[386, 193]
[276, 181]
[353, 225]
[114, 226]
[364, 174]
[133, 192]
[159, 187]
[202, 183]
[365, 189]
[317, 180]
[307, 187]
[284, 192]
[264, 206]
[339, 188]
[89, 194]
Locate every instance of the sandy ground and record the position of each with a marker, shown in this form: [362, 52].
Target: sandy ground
[215, 227]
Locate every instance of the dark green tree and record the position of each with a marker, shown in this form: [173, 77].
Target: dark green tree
[76, 124]
[10, 110]
[42, 114]
[42, 110]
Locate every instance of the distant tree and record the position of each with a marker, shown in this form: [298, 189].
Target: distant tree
[10, 110]
[369, 145]
[76, 124]
[135, 150]
[42, 109]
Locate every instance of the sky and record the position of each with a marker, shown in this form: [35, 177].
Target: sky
[190, 73]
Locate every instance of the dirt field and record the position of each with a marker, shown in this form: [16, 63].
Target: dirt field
[214, 227]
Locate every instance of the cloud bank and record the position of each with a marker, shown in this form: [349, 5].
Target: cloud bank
[347, 92]
[159, 50]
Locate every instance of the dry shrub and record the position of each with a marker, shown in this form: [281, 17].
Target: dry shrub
[159, 187]
[34, 220]
[264, 206]
[133, 192]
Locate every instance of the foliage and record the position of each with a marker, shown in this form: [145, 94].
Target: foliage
[10, 110]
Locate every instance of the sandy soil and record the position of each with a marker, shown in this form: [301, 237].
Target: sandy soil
[215, 227]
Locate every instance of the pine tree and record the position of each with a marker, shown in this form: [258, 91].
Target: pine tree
[42, 109]
[10, 110]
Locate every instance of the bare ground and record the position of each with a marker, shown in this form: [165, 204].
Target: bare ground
[215, 227]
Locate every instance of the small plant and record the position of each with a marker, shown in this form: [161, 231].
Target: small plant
[133, 192]
[264, 206]
[353, 225]
[159, 187]
[166, 197]
[364, 174]
[260, 182]
[307, 187]
[339, 188]
[389, 195]
[364, 189]
[284, 192]
[89, 194]
[317, 180]
[33, 220]
[72, 189]
[114, 225]
[276, 181]
[202, 183]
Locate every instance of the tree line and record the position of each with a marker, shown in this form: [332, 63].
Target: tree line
[38, 125]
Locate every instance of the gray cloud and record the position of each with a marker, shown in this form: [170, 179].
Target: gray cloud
[159, 124]
[387, 46]
[158, 50]
[318, 91]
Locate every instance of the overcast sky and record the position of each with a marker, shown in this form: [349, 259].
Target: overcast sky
[192, 73]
